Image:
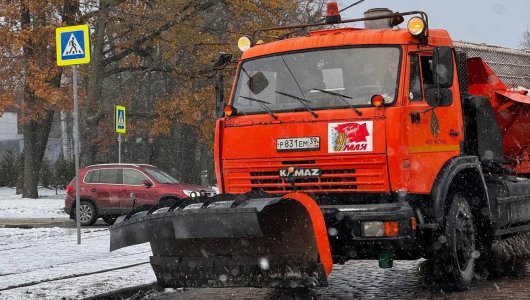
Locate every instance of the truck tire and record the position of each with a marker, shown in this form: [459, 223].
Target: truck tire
[460, 235]
[88, 214]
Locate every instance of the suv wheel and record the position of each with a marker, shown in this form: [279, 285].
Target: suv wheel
[87, 213]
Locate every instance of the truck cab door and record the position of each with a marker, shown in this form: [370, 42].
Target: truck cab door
[433, 134]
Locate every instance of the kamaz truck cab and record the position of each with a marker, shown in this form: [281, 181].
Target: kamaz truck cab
[355, 118]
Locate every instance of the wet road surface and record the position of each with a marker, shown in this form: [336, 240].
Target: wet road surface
[365, 280]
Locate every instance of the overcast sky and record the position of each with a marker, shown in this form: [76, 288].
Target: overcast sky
[494, 22]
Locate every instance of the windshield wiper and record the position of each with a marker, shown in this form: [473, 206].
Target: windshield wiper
[301, 100]
[341, 97]
[263, 104]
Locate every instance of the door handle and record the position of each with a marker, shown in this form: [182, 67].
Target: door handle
[453, 132]
[92, 190]
[415, 117]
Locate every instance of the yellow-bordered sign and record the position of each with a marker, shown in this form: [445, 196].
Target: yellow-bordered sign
[120, 119]
[72, 45]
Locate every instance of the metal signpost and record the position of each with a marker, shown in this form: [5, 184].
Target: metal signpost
[120, 120]
[73, 48]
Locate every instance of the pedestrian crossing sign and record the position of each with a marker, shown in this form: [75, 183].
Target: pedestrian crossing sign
[120, 119]
[73, 45]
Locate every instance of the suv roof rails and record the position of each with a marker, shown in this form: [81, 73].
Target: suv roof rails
[121, 164]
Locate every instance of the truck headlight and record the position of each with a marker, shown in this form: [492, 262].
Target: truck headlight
[416, 26]
[373, 229]
[244, 43]
[380, 229]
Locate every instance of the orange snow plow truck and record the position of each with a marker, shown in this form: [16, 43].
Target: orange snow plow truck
[352, 143]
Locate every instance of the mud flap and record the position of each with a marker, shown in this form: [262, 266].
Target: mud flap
[233, 241]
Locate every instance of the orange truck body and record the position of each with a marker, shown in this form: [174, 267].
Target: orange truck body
[403, 165]
[406, 156]
[436, 166]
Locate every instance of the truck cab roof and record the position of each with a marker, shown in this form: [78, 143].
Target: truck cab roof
[346, 37]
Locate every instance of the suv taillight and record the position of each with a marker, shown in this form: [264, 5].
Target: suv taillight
[70, 189]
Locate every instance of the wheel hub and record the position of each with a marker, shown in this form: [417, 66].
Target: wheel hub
[464, 239]
[85, 213]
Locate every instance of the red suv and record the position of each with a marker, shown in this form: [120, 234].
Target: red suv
[105, 190]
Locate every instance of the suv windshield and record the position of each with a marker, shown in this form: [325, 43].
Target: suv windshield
[299, 81]
[161, 176]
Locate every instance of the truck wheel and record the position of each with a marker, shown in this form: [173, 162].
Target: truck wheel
[460, 234]
[87, 212]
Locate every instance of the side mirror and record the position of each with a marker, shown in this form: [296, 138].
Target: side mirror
[257, 83]
[439, 94]
[147, 183]
[438, 97]
[442, 67]
[219, 96]
[222, 60]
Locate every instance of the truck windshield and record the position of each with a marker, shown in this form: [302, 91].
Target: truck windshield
[351, 76]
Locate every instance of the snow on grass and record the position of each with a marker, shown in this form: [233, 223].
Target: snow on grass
[49, 205]
[47, 263]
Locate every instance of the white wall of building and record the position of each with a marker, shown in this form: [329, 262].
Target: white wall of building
[8, 127]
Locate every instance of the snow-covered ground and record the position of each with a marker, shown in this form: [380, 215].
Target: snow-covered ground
[49, 205]
[47, 263]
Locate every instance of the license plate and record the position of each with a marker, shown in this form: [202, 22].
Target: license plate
[295, 144]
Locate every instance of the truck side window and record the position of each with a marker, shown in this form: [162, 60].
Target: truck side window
[426, 71]
[421, 76]
[415, 93]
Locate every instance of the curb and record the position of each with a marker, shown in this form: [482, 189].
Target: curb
[139, 291]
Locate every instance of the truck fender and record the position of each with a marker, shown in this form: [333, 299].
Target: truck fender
[463, 165]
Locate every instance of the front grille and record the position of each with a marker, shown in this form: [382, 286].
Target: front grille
[338, 175]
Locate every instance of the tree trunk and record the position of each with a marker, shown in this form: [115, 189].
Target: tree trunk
[92, 107]
[35, 139]
[29, 189]
[36, 131]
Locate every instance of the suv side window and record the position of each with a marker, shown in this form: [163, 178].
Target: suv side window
[110, 176]
[133, 177]
[92, 176]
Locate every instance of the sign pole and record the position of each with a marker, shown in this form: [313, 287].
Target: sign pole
[120, 120]
[72, 45]
[119, 148]
[76, 155]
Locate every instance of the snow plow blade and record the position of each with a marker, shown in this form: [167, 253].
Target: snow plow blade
[227, 240]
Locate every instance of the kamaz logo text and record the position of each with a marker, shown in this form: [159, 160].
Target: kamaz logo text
[302, 172]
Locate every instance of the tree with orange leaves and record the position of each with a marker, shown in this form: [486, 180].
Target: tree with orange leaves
[28, 50]
[131, 41]
[173, 41]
